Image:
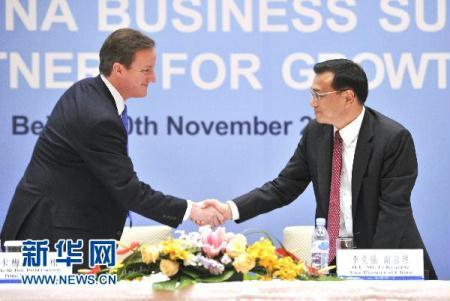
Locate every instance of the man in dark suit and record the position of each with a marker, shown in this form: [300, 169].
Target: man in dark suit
[362, 165]
[80, 182]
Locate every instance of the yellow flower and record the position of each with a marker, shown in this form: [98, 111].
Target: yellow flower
[244, 263]
[169, 267]
[236, 246]
[264, 253]
[174, 249]
[150, 253]
[287, 269]
[261, 248]
[268, 261]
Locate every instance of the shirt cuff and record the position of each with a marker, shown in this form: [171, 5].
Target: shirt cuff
[234, 210]
[188, 210]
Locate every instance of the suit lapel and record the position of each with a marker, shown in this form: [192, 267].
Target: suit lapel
[324, 147]
[362, 155]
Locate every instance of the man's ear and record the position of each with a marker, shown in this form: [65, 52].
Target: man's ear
[350, 96]
[117, 68]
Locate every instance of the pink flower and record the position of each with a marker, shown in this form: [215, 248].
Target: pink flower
[215, 242]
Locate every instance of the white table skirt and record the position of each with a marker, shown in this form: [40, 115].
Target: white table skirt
[248, 290]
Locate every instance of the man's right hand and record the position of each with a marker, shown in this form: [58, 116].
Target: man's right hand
[202, 214]
[223, 208]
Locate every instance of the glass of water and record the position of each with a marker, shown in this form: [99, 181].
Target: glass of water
[345, 243]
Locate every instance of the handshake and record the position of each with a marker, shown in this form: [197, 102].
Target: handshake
[210, 212]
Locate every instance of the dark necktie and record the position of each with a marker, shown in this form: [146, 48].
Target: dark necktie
[334, 207]
[124, 117]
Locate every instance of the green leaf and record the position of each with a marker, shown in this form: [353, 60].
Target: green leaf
[191, 273]
[130, 276]
[250, 276]
[146, 269]
[135, 270]
[219, 278]
[135, 257]
[259, 270]
[168, 285]
[196, 272]
[186, 281]
[173, 284]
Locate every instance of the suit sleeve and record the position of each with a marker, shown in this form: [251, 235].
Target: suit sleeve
[281, 191]
[398, 176]
[104, 151]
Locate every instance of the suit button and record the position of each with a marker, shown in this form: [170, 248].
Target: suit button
[119, 233]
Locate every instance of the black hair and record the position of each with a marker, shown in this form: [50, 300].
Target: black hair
[347, 75]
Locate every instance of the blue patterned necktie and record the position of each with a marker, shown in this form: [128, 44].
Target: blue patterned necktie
[124, 117]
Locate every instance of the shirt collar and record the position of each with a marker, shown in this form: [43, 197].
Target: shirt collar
[350, 132]
[120, 103]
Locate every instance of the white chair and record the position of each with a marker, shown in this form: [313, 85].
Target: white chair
[145, 234]
[297, 240]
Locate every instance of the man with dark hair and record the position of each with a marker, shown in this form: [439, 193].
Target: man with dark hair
[121, 47]
[80, 182]
[362, 165]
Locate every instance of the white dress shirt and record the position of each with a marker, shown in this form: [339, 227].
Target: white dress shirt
[120, 105]
[349, 136]
[120, 102]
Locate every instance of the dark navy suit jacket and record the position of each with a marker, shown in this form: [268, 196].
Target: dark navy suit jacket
[80, 182]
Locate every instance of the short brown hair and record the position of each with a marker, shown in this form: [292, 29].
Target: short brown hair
[120, 46]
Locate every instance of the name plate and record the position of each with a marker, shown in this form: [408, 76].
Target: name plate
[12, 270]
[380, 264]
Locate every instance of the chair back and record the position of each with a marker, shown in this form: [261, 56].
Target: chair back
[297, 240]
[145, 234]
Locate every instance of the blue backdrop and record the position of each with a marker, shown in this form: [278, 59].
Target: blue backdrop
[221, 62]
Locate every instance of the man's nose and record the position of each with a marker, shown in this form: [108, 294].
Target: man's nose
[152, 78]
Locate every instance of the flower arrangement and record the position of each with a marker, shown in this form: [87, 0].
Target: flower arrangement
[210, 256]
